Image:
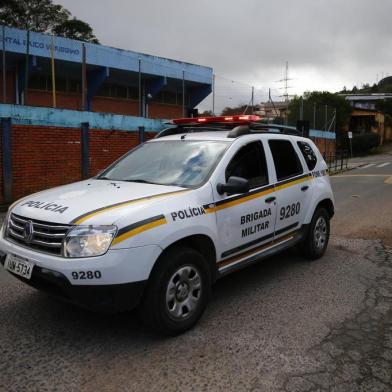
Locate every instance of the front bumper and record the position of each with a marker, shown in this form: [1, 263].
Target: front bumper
[124, 273]
[102, 298]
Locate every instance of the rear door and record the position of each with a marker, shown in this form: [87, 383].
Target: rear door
[292, 186]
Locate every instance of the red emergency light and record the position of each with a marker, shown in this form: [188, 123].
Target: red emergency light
[242, 118]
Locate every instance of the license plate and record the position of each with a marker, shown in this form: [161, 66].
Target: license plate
[19, 266]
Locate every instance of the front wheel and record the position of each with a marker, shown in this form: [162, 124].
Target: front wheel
[316, 242]
[177, 293]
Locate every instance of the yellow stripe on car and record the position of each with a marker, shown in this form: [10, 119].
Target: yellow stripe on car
[139, 230]
[102, 210]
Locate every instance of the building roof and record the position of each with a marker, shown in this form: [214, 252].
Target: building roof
[104, 56]
[367, 97]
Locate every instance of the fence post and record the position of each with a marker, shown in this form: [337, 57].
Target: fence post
[141, 134]
[84, 127]
[7, 159]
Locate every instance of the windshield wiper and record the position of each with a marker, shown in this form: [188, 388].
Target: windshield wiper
[141, 181]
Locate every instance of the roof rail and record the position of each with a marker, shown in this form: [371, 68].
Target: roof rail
[237, 131]
[261, 128]
[185, 130]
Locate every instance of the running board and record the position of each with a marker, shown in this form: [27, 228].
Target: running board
[268, 250]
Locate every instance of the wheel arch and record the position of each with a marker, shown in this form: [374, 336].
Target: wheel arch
[328, 205]
[202, 243]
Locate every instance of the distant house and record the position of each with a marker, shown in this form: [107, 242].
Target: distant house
[366, 118]
[273, 110]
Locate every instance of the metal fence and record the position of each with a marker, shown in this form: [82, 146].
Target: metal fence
[337, 161]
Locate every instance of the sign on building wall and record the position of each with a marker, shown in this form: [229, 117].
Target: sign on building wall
[40, 45]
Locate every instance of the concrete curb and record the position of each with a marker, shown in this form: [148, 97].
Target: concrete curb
[346, 169]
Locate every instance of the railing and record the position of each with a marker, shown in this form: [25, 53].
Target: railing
[337, 161]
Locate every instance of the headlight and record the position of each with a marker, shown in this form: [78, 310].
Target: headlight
[5, 222]
[86, 241]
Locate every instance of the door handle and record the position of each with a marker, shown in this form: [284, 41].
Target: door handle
[270, 199]
[305, 188]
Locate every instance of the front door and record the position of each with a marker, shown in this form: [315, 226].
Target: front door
[245, 221]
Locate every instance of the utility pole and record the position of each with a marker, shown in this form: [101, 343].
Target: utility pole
[84, 77]
[140, 89]
[314, 115]
[26, 86]
[213, 94]
[272, 102]
[4, 70]
[326, 129]
[53, 73]
[301, 112]
[183, 94]
[334, 128]
[253, 98]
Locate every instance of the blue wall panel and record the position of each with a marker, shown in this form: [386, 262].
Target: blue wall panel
[30, 115]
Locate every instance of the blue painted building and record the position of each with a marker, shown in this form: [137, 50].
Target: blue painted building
[117, 81]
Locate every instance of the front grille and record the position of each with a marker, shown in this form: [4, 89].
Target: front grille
[46, 237]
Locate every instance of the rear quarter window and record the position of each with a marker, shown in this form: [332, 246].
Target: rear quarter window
[308, 154]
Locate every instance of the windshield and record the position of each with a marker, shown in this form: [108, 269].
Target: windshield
[181, 162]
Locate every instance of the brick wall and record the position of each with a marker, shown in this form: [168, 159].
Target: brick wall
[45, 157]
[327, 147]
[129, 107]
[10, 86]
[70, 101]
[107, 146]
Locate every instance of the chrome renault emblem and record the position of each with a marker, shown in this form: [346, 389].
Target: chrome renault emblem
[28, 231]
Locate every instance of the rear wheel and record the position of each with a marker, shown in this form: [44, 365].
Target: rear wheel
[316, 242]
[177, 293]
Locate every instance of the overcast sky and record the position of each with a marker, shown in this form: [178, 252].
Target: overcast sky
[328, 43]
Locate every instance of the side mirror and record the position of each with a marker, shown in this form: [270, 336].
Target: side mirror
[234, 185]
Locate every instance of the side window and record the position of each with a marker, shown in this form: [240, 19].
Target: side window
[287, 163]
[249, 162]
[309, 155]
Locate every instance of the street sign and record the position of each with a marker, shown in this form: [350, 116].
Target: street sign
[350, 138]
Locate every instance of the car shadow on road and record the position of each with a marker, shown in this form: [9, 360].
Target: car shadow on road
[39, 313]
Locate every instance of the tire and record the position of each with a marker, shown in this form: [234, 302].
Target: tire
[177, 293]
[316, 241]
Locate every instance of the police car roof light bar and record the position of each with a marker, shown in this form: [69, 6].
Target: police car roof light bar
[242, 118]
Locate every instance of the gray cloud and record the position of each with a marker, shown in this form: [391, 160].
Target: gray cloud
[328, 44]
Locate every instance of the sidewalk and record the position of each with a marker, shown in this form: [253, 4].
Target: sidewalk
[385, 155]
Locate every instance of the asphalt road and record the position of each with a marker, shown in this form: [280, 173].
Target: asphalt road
[364, 200]
[283, 325]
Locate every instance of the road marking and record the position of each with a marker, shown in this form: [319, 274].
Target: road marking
[384, 164]
[388, 180]
[361, 175]
[366, 166]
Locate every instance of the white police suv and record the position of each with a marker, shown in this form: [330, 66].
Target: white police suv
[204, 198]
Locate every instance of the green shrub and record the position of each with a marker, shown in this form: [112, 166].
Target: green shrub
[365, 142]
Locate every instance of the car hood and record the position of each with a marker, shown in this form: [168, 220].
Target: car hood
[92, 201]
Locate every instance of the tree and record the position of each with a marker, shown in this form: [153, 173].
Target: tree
[384, 106]
[76, 29]
[44, 17]
[318, 100]
[206, 113]
[228, 111]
